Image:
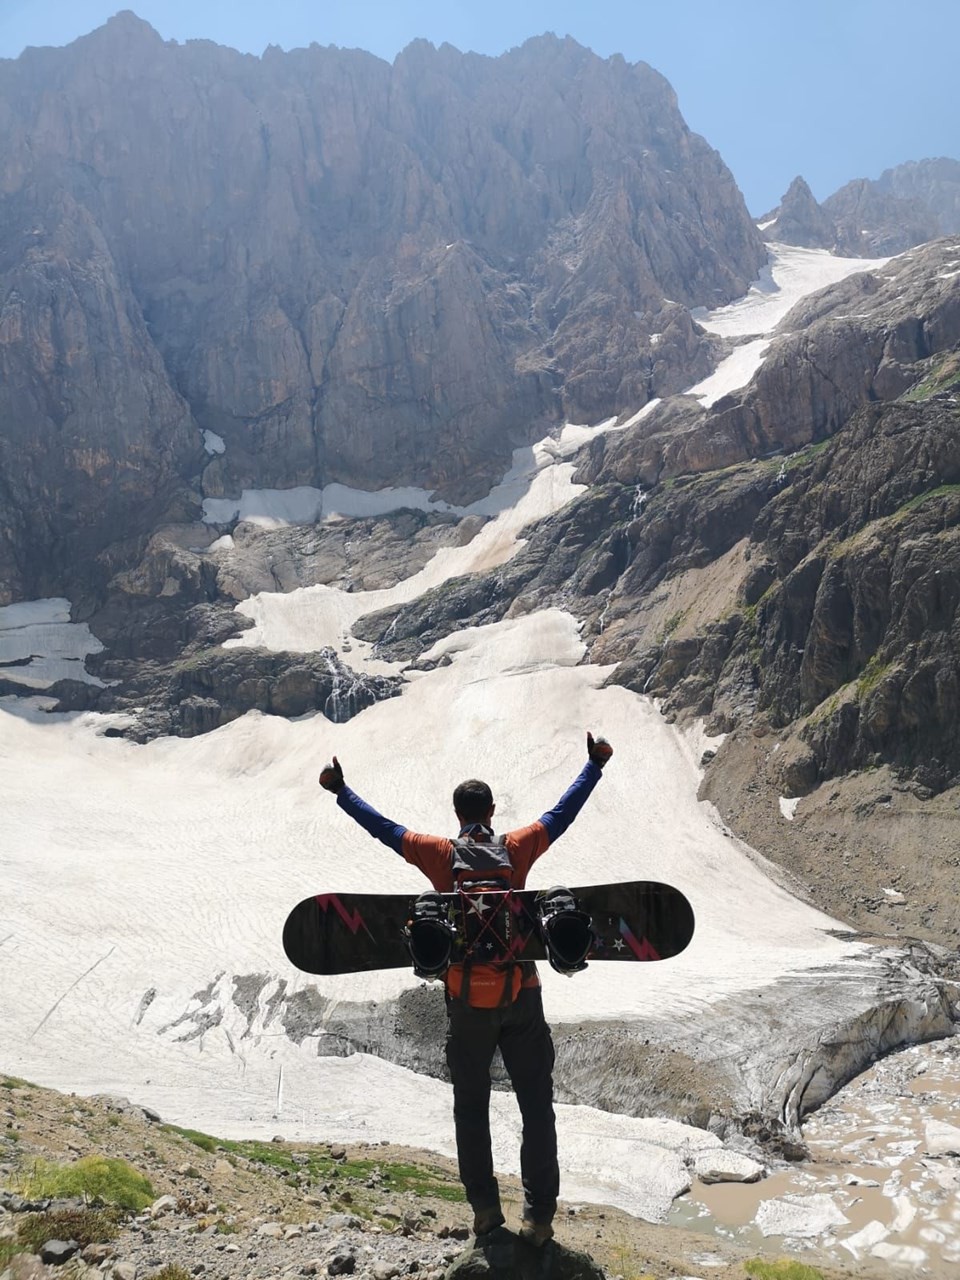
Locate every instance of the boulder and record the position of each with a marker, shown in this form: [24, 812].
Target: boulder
[56, 1252]
[727, 1166]
[503, 1256]
[343, 1263]
[165, 1204]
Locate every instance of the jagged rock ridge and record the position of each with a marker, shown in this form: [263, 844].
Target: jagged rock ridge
[344, 269]
[905, 206]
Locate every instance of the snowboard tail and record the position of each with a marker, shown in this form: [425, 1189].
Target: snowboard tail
[332, 933]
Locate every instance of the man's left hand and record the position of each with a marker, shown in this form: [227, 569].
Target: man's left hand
[598, 749]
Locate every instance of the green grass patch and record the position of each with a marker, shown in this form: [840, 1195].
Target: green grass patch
[111, 1180]
[202, 1140]
[870, 530]
[749, 612]
[736, 470]
[781, 1270]
[14, 1082]
[320, 1167]
[172, 1271]
[86, 1226]
[943, 377]
[422, 1181]
[271, 1154]
[671, 624]
[942, 491]
[8, 1250]
[810, 452]
[829, 706]
[872, 674]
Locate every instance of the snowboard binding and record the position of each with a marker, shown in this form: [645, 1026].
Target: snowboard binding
[430, 936]
[567, 931]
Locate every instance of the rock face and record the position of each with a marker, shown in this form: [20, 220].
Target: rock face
[905, 206]
[344, 270]
[840, 616]
[201, 694]
[790, 554]
[873, 222]
[842, 620]
[936, 183]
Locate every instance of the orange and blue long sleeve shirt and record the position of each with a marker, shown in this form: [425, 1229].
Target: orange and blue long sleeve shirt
[433, 855]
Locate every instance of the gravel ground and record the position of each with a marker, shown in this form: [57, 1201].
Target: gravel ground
[875, 851]
[223, 1210]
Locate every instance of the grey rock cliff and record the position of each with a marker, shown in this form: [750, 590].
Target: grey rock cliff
[874, 222]
[792, 558]
[936, 183]
[349, 271]
[906, 206]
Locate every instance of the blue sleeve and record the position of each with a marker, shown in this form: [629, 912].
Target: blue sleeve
[557, 819]
[389, 833]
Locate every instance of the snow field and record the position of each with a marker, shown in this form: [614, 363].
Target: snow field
[178, 861]
[790, 275]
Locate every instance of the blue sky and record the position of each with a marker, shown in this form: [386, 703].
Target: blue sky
[832, 89]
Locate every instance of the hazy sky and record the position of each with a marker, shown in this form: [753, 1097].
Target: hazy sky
[832, 89]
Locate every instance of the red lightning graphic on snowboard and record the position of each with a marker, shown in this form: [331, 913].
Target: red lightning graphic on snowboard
[352, 919]
[642, 950]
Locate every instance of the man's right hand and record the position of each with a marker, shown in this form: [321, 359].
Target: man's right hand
[598, 749]
[331, 777]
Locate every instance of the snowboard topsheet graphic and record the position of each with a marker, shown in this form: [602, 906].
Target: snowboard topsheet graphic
[354, 932]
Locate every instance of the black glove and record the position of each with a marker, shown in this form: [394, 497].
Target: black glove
[599, 750]
[331, 777]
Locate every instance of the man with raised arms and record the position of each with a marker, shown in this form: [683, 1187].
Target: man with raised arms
[491, 1005]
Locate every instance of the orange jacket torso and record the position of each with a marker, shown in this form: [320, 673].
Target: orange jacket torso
[433, 856]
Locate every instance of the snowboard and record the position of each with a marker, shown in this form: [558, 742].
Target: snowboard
[356, 932]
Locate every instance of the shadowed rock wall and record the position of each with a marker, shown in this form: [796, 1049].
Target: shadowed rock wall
[347, 270]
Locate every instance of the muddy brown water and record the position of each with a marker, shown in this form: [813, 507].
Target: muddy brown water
[882, 1163]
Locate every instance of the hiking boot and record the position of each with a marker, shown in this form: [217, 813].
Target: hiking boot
[536, 1233]
[487, 1220]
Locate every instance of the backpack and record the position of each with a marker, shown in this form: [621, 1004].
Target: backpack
[484, 973]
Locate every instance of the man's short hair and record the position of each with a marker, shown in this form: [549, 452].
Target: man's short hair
[472, 800]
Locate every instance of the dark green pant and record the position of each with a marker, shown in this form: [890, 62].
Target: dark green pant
[523, 1037]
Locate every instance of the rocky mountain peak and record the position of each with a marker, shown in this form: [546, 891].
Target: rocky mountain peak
[800, 220]
[123, 32]
[906, 206]
[126, 22]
